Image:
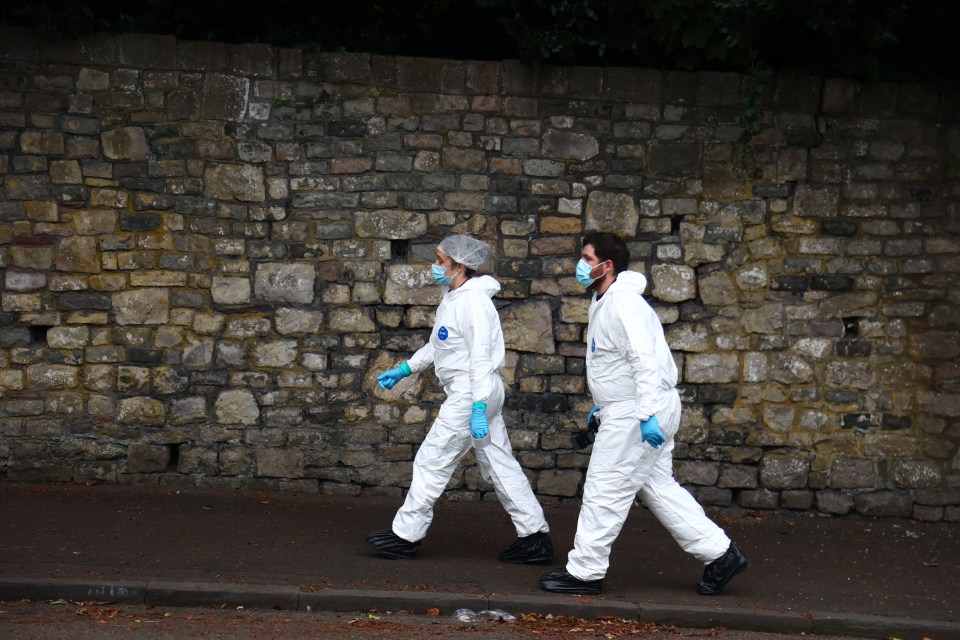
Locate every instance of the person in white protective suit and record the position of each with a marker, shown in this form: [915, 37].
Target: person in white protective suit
[466, 350]
[632, 378]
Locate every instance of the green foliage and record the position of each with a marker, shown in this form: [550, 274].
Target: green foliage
[752, 87]
[893, 40]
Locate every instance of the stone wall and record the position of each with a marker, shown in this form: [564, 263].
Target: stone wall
[209, 251]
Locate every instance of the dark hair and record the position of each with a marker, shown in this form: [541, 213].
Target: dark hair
[609, 246]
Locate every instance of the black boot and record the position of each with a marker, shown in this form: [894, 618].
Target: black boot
[721, 571]
[560, 581]
[393, 546]
[533, 549]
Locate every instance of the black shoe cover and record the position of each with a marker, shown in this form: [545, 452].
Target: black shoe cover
[393, 546]
[533, 549]
[721, 571]
[560, 581]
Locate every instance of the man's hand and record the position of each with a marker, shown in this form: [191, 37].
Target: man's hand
[591, 414]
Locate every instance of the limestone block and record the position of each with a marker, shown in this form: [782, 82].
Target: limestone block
[917, 474]
[133, 379]
[167, 380]
[528, 326]
[93, 80]
[279, 463]
[279, 353]
[202, 460]
[42, 143]
[851, 374]
[737, 476]
[78, 253]
[778, 418]
[147, 458]
[767, 319]
[235, 460]
[390, 224]
[822, 202]
[789, 369]
[696, 472]
[247, 327]
[11, 379]
[63, 403]
[90, 222]
[568, 145]
[39, 258]
[559, 482]
[714, 368]
[240, 182]
[188, 410]
[411, 285]
[575, 310]
[834, 502]
[26, 187]
[230, 290]
[224, 97]
[24, 280]
[883, 504]
[613, 212]
[673, 282]
[297, 321]
[157, 278]
[140, 411]
[467, 160]
[717, 289]
[688, 337]
[65, 172]
[285, 282]
[785, 469]
[125, 143]
[939, 403]
[52, 376]
[237, 406]
[142, 306]
[197, 352]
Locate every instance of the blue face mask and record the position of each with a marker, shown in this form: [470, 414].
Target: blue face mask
[440, 275]
[583, 273]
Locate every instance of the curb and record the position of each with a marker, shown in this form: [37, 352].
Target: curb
[203, 594]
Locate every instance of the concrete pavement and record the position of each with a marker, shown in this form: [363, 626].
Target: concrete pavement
[187, 546]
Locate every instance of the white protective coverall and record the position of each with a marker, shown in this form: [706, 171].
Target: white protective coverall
[466, 350]
[632, 376]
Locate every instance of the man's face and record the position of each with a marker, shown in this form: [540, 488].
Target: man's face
[589, 256]
[597, 270]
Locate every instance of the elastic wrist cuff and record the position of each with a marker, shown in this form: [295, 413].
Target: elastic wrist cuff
[405, 368]
[480, 405]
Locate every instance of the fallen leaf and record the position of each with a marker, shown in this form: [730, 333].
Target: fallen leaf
[434, 612]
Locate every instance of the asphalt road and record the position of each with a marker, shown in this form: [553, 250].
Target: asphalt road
[63, 620]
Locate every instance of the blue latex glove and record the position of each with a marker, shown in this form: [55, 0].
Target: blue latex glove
[478, 421]
[388, 379]
[651, 432]
[590, 415]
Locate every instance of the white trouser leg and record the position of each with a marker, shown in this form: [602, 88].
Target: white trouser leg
[446, 442]
[619, 466]
[674, 507]
[500, 468]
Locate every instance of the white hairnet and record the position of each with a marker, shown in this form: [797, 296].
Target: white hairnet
[468, 251]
